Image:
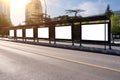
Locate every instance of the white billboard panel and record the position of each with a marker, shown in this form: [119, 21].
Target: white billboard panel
[29, 32]
[95, 32]
[19, 33]
[43, 32]
[63, 32]
[11, 33]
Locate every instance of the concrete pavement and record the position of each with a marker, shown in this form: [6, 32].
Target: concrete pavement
[32, 62]
[115, 49]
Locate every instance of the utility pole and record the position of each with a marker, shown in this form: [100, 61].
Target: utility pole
[45, 9]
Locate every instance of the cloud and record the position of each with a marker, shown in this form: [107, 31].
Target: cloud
[58, 7]
[54, 7]
[51, 2]
[92, 8]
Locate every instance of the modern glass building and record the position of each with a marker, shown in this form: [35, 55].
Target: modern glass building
[5, 8]
[33, 11]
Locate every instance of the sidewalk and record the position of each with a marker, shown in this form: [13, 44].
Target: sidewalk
[85, 47]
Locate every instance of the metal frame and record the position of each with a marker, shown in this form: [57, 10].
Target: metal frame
[51, 25]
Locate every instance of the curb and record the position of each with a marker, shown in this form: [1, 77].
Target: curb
[79, 48]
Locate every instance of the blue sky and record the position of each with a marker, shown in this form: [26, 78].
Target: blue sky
[92, 7]
[58, 7]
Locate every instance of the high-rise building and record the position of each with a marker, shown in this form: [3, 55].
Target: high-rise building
[33, 11]
[5, 8]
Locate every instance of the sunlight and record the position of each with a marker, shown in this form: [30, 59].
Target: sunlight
[19, 2]
[18, 10]
[6, 0]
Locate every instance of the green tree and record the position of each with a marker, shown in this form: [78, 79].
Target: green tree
[115, 24]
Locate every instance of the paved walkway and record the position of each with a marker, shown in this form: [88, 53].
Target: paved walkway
[85, 47]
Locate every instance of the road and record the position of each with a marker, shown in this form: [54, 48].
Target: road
[20, 61]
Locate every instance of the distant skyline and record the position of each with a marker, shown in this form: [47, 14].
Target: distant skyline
[57, 8]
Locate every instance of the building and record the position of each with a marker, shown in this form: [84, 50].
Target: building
[33, 11]
[5, 8]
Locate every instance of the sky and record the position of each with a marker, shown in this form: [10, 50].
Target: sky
[57, 8]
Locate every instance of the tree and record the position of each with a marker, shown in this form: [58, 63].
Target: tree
[4, 22]
[115, 24]
[108, 12]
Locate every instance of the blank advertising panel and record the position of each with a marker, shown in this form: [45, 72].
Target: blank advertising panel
[19, 33]
[29, 32]
[63, 32]
[11, 33]
[43, 32]
[95, 32]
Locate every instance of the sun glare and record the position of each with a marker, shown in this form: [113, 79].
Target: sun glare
[18, 10]
[19, 2]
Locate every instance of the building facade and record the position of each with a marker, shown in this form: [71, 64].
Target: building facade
[33, 11]
[5, 8]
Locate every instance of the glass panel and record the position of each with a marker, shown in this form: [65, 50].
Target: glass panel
[95, 32]
[63, 32]
[29, 32]
[11, 33]
[43, 32]
[19, 33]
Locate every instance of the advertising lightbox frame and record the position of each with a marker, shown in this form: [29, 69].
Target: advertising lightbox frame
[43, 33]
[105, 36]
[65, 35]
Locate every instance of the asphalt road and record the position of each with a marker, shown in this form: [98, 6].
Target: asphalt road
[31, 62]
